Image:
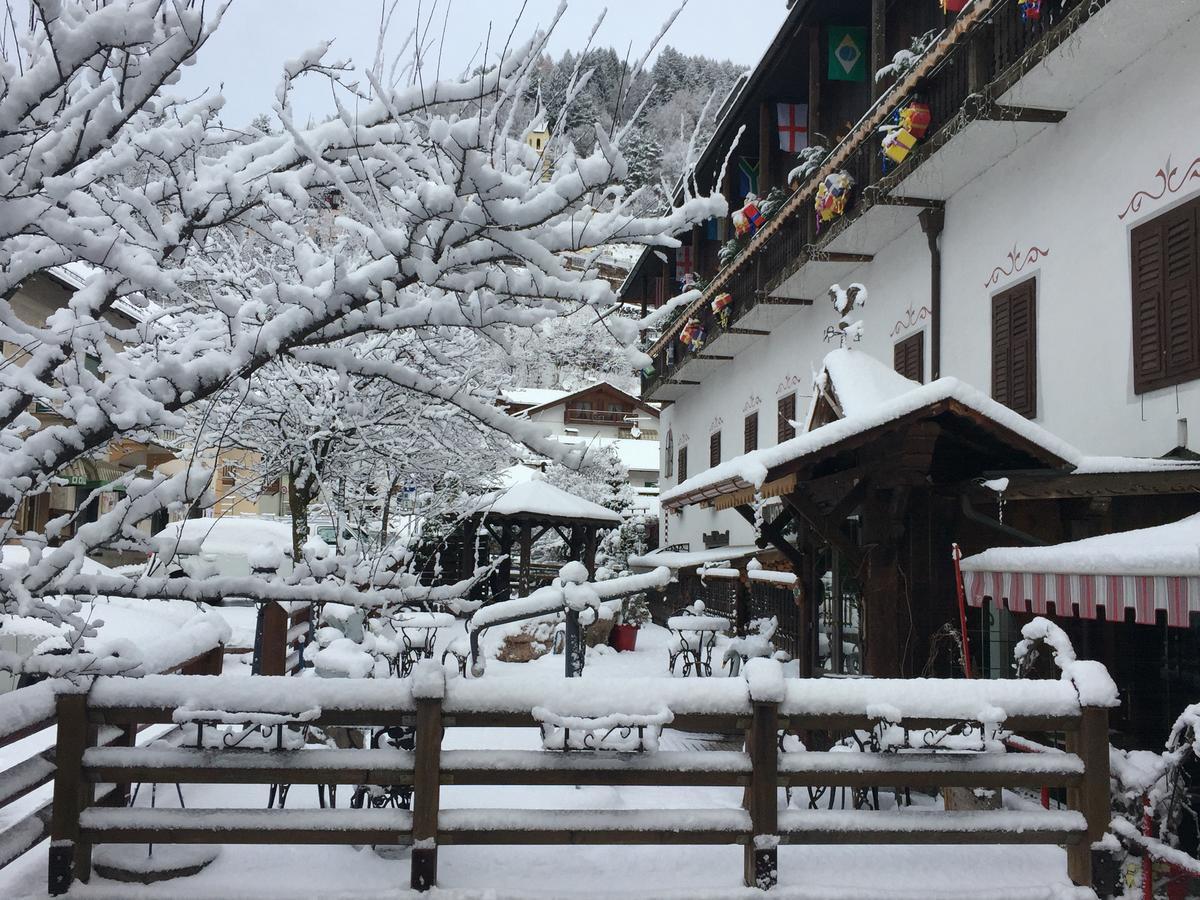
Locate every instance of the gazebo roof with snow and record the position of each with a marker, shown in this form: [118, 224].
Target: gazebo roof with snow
[539, 502]
[1142, 571]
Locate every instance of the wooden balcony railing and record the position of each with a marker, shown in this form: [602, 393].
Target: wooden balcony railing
[987, 50]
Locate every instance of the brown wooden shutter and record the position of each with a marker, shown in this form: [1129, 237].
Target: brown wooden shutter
[1014, 348]
[714, 449]
[682, 464]
[1165, 267]
[750, 433]
[787, 414]
[908, 357]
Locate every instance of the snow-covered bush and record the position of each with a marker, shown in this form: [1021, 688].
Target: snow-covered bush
[416, 208]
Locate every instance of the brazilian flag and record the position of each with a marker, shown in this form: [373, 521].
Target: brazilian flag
[847, 53]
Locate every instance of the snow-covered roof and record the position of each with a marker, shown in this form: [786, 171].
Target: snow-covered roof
[875, 399]
[637, 456]
[75, 275]
[567, 395]
[686, 559]
[532, 396]
[1172, 549]
[538, 498]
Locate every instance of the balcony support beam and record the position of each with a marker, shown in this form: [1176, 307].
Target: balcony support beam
[815, 255]
[998, 112]
[752, 331]
[714, 358]
[786, 301]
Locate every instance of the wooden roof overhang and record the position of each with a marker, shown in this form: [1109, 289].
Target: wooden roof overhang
[537, 520]
[1043, 485]
[944, 442]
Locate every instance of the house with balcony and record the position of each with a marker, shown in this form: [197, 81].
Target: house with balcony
[600, 415]
[1027, 359]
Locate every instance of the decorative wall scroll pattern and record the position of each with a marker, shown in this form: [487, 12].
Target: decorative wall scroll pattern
[753, 402]
[1167, 184]
[789, 381]
[911, 318]
[716, 425]
[1016, 262]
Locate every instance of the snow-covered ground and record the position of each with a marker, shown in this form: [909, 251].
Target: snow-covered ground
[467, 873]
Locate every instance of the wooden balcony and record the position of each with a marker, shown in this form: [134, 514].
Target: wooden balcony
[611, 418]
[971, 78]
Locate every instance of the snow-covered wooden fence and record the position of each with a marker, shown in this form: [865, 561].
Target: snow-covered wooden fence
[26, 711]
[760, 705]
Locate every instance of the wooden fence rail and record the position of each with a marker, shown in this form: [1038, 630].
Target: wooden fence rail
[760, 710]
[26, 711]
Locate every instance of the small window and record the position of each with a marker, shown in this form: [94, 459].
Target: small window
[669, 455]
[683, 463]
[908, 357]
[1014, 348]
[1165, 261]
[787, 415]
[751, 433]
[714, 449]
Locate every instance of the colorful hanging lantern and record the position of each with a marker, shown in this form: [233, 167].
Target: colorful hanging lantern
[915, 118]
[748, 220]
[720, 307]
[898, 144]
[1031, 10]
[953, 6]
[832, 195]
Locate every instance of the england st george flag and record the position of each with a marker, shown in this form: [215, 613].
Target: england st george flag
[847, 53]
[793, 126]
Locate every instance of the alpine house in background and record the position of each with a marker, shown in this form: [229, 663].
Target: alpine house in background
[1028, 360]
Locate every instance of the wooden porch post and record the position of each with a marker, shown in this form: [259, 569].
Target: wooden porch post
[506, 548]
[589, 550]
[884, 632]
[1090, 744]
[271, 640]
[526, 556]
[814, 83]
[766, 147]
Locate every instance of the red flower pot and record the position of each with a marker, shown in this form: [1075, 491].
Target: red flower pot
[624, 637]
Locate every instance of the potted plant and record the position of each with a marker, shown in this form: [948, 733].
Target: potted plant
[635, 613]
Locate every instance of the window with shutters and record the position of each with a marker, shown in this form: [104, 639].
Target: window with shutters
[682, 467]
[669, 456]
[787, 415]
[1165, 259]
[751, 433]
[714, 449]
[908, 357]
[1014, 348]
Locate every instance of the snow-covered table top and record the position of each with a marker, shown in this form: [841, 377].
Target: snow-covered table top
[698, 623]
[425, 620]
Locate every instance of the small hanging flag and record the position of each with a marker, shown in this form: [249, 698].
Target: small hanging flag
[683, 263]
[747, 175]
[847, 53]
[793, 126]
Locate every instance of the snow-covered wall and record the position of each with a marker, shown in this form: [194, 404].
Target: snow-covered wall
[1060, 205]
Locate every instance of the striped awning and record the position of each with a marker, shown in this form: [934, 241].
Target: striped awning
[1081, 595]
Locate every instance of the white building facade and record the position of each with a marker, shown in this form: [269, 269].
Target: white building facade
[1079, 239]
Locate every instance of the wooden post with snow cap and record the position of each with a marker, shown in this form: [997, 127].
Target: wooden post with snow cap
[1097, 693]
[429, 689]
[67, 851]
[764, 679]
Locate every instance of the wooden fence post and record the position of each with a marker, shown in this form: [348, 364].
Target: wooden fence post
[426, 793]
[761, 853]
[67, 852]
[1090, 744]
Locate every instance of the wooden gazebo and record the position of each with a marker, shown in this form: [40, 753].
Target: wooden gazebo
[517, 517]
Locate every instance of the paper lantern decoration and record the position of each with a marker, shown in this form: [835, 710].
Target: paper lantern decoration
[720, 307]
[1031, 10]
[832, 195]
[915, 119]
[748, 220]
[898, 144]
[953, 6]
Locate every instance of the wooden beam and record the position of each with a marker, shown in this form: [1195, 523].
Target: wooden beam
[881, 198]
[878, 51]
[785, 301]
[714, 357]
[679, 381]
[815, 255]
[814, 82]
[774, 536]
[829, 531]
[766, 145]
[752, 331]
[998, 112]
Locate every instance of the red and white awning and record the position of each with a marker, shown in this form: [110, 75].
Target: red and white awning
[1082, 595]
